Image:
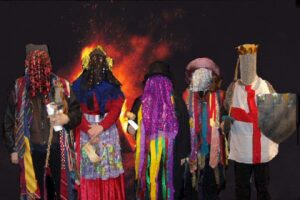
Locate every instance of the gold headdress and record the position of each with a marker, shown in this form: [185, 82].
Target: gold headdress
[86, 58]
[247, 49]
[243, 50]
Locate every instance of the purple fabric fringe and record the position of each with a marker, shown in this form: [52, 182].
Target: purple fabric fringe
[158, 109]
[159, 119]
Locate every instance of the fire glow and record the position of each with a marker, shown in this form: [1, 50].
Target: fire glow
[130, 64]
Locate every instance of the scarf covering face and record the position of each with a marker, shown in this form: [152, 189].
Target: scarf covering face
[158, 109]
[37, 71]
[201, 80]
[199, 63]
[248, 68]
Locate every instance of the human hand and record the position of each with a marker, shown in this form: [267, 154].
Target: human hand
[94, 140]
[183, 160]
[130, 115]
[227, 121]
[14, 158]
[95, 129]
[59, 119]
[131, 130]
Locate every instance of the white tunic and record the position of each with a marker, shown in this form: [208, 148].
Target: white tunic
[244, 140]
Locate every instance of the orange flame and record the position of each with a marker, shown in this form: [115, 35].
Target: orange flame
[129, 68]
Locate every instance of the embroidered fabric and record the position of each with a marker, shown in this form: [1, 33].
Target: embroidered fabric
[109, 150]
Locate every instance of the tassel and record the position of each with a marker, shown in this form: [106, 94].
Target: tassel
[155, 156]
[164, 171]
[170, 159]
[148, 177]
[197, 110]
[217, 175]
[138, 144]
[194, 180]
[31, 182]
[204, 145]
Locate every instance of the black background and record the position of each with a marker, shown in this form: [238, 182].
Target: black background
[205, 28]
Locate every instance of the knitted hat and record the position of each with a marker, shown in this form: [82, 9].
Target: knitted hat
[31, 47]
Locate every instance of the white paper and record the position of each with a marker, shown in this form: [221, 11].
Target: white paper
[133, 124]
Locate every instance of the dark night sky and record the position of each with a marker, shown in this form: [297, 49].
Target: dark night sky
[194, 29]
[191, 29]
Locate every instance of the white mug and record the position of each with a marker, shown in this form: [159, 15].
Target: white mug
[52, 110]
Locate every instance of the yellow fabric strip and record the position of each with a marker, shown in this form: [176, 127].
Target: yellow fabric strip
[31, 182]
[155, 155]
[172, 99]
[226, 152]
[138, 144]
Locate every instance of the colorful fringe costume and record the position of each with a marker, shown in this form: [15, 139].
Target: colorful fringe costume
[158, 127]
[204, 101]
[23, 118]
[209, 145]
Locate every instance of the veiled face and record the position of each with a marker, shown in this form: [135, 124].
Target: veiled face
[38, 69]
[201, 80]
[96, 60]
[248, 68]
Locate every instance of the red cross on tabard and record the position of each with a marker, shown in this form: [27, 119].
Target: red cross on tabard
[251, 117]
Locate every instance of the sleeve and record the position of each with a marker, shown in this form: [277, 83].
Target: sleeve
[135, 109]
[9, 122]
[223, 111]
[84, 125]
[183, 138]
[74, 112]
[113, 108]
[228, 97]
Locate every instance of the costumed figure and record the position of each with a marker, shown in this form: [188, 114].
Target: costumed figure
[250, 149]
[97, 138]
[204, 101]
[39, 102]
[162, 137]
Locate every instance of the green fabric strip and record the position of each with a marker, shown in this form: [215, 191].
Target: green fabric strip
[148, 174]
[164, 180]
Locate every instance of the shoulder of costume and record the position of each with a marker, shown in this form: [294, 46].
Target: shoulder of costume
[269, 85]
[20, 79]
[110, 84]
[20, 83]
[231, 85]
[56, 77]
[229, 94]
[76, 84]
